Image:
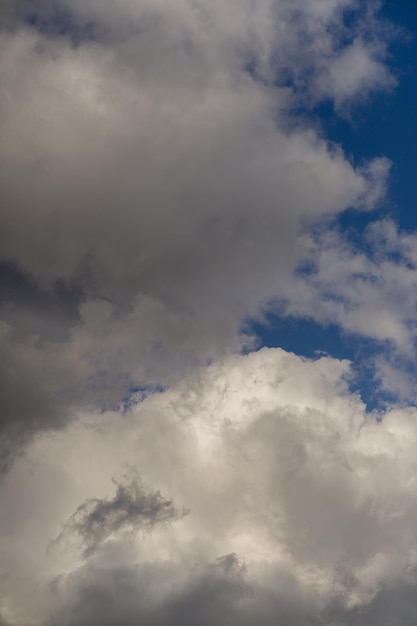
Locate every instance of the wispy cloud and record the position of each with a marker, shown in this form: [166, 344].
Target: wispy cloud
[132, 508]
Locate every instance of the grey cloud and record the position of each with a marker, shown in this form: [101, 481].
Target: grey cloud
[51, 368]
[132, 508]
[164, 181]
[166, 209]
[218, 593]
[391, 607]
[154, 171]
[28, 398]
[33, 309]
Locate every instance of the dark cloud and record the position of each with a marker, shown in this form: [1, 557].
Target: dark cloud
[392, 606]
[214, 594]
[34, 309]
[28, 402]
[35, 321]
[153, 187]
[132, 508]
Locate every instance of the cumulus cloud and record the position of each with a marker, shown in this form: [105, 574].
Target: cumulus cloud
[159, 179]
[155, 173]
[300, 504]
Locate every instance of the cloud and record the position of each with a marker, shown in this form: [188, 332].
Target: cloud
[369, 290]
[366, 287]
[218, 593]
[276, 462]
[30, 373]
[155, 172]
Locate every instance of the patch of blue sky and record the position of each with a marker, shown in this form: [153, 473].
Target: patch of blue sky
[386, 123]
[309, 339]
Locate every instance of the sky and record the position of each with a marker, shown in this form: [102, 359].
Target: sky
[208, 269]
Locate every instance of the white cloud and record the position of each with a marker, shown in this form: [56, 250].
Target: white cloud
[370, 291]
[272, 459]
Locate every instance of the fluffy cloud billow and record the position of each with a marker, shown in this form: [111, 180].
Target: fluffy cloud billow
[258, 488]
[163, 178]
[155, 175]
